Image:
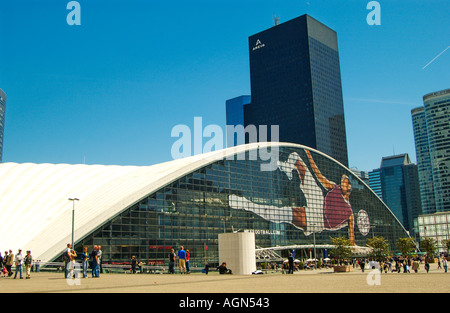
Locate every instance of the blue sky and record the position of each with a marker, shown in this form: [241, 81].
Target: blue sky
[110, 90]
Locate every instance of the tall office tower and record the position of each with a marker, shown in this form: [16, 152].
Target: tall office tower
[423, 161]
[436, 117]
[375, 182]
[398, 177]
[2, 120]
[296, 84]
[412, 195]
[235, 116]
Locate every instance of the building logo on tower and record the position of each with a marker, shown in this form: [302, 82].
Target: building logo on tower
[258, 45]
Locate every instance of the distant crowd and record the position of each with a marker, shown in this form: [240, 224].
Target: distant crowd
[19, 261]
[91, 259]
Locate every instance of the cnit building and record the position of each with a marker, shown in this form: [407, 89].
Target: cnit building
[144, 211]
[308, 196]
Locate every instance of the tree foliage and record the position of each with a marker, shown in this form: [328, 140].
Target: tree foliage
[406, 245]
[341, 248]
[380, 248]
[428, 245]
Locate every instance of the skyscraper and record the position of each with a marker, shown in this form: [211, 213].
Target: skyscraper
[296, 84]
[235, 115]
[433, 123]
[2, 120]
[424, 166]
[397, 177]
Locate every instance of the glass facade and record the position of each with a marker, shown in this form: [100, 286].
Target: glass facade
[375, 182]
[431, 125]
[393, 186]
[437, 110]
[423, 161]
[235, 115]
[435, 226]
[2, 120]
[308, 194]
[296, 84]
[396, 183]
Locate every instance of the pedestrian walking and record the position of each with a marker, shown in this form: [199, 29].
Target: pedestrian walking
[206, 269]
[133, 264]
[85, 261]
[66, 259]
[188, 256]
[415, 266]
[182, 260]
[95, 263]
[2, 265]
[444, 264]
[73, 256]
[172, 261]
[291, 263]
[28, 262]
[100, 255]
[427, 266]
[18, 261]
[9, 263]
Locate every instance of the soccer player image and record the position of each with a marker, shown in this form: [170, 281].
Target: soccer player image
[330, 212]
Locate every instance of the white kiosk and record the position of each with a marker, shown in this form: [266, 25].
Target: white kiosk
[238, 251]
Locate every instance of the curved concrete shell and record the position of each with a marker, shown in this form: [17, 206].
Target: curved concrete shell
[37, 214]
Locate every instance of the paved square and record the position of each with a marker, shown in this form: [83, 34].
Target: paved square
[316, 281]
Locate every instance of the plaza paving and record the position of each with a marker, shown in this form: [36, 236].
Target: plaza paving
[315, 281]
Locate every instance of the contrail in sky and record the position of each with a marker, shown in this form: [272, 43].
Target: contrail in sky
[436, 57]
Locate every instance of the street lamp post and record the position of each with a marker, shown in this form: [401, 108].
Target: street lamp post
[314, 243]
[73, 218]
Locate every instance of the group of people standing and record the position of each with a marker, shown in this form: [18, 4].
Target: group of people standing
[405, 265]
[93, 260]
[183, 260]
[19, 261]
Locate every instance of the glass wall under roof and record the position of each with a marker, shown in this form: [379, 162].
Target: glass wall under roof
[308, 197]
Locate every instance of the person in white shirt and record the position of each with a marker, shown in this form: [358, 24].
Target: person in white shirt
[18, 261]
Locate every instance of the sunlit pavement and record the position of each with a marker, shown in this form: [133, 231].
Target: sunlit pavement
[311, 281]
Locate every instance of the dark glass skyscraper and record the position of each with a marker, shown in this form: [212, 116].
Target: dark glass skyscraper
[235, 115]
[296, 84]
[396, 183]
[2, 120]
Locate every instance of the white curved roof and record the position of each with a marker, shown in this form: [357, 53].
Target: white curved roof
[37, 214]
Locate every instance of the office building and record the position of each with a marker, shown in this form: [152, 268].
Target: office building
[432, 138]
[235, 116]
[424, 166]
[435, 226]
[396, 182]
[375, 182]
[144, 211]
[296, 84]
[2, 120]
